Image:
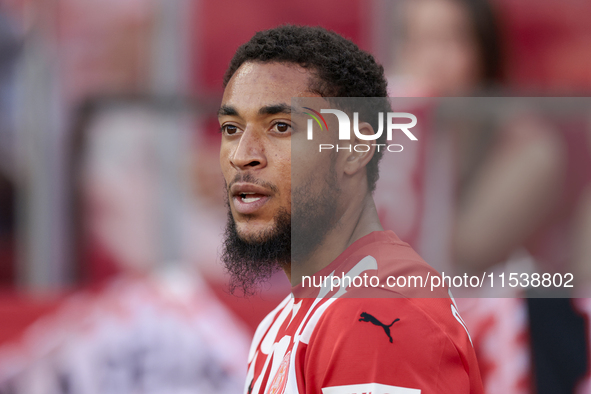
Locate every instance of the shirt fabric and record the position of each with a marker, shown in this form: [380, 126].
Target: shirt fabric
[380, 339]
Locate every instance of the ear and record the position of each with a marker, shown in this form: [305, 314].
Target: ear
[361, 151]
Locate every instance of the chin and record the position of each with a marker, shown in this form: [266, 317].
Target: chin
[249, 231]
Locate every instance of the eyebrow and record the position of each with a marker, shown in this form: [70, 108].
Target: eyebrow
[227, 110]
[282, 108]
[275, 109]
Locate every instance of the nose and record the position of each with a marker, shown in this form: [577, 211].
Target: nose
[250, 152]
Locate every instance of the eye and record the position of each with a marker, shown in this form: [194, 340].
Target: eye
[229, 129]
[282, 127]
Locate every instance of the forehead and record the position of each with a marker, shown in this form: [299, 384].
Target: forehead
[258, 84]
[431, 15]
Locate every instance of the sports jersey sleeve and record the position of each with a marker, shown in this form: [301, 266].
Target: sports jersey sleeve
[390, 346]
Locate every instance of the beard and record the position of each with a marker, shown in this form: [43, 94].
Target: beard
[252, 261]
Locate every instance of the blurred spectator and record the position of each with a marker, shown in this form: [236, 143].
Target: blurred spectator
[140, 336]
[515, 182]
[443, 48]
[149, 326]
[104, 46]
[447, 48]
[516, 207]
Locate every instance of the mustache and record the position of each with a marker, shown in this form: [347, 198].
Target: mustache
[249, 178]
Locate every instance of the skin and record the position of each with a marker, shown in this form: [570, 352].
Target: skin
[440, 53]
[257, 134]
[514, 194]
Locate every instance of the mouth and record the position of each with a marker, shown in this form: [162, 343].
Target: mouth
[249, 198]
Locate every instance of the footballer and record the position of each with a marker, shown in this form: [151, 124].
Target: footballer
[319, 218]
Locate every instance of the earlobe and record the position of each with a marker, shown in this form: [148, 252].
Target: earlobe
[356, 161]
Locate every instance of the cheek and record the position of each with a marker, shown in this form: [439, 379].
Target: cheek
[282, 161]
[307, 158]
[309, 168]
[463, 67]
[225, 155]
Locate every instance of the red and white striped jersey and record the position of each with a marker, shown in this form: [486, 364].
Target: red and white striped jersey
[342, 342]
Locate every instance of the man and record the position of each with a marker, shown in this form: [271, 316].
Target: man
[323, 340]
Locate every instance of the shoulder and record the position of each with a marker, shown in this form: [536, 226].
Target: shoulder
[371, 338]
[394, 320]
[392, 255]
[397, 269]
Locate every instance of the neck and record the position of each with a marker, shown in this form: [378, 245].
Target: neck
[357, 221]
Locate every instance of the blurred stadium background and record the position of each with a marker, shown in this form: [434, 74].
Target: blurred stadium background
[111, 209]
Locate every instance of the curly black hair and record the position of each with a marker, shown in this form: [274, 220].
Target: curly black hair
[340, 68]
